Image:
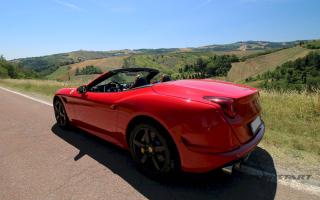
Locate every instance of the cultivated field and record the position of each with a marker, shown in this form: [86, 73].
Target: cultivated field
[260, 64]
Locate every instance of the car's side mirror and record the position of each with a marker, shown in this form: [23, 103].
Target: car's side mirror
[82, 89]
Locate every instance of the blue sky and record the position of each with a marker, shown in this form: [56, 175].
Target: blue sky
[41, 27]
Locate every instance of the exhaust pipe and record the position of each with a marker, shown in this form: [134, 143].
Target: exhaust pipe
[229, 169]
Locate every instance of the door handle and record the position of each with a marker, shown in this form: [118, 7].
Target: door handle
[113, 107]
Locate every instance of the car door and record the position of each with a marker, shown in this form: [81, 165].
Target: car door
[96, 112]
[96, 107]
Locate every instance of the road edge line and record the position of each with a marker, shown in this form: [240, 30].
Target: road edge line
[26, 96]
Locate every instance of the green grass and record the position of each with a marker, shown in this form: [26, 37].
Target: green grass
[60, 72]
[293, 130]
[42, 87]
[314, 44]
[292, 121]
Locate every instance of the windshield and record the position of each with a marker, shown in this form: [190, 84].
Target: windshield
[122, 80]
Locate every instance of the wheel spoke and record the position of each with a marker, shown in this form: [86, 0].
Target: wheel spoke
[160, 158]
[138, 143]
[61, 108]
[60, 114]
[150, 149]
[155, 163]
[57, 112]
[55, 108]
[152, 136]
[58, 106]
[63, 119]
[144, 158]
[146, 136]
[159, 148]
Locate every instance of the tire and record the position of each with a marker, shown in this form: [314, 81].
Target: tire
[153, 151]
[61, 114]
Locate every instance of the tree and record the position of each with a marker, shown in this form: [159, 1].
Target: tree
[3, 72]
[90, 69]
[77, 72]
[303, 73]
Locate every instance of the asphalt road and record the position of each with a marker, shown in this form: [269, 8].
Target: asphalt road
[40, 161]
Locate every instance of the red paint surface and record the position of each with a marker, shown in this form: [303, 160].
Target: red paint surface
[204, 136]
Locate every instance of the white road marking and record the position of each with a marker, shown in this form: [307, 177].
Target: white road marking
[26, 96]
[245, 169]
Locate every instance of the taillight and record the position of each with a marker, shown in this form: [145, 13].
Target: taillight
[225, 103]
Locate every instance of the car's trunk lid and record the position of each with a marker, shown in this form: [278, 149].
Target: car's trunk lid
[248, 109]
[245, 100]
[197, 89]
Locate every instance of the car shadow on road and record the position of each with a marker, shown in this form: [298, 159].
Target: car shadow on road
[213, 185]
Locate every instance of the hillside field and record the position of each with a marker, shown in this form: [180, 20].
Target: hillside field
[257, 62]
[254, 66]
[171, 62]
[167, 63]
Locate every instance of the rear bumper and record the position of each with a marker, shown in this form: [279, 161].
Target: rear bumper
[204, 162]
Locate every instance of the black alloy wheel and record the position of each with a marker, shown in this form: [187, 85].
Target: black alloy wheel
[60, 114]
[152, 151]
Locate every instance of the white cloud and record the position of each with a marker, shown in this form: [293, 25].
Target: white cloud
[68, 5]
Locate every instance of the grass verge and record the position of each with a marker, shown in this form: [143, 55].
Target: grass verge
[293, 129]
[42, 88]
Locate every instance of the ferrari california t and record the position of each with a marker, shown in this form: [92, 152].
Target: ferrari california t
[188, 125]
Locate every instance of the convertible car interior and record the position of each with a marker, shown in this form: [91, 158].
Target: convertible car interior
[121, 80]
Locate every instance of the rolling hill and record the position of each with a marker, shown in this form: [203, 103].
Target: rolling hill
[67, 72]
[168, 62]
[250, 45]
[313, 44]
[300, 74]
[171, 62]
[257, 57]
[257, 65]
[48, 64]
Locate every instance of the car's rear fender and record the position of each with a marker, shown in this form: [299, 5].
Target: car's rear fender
[192, 125]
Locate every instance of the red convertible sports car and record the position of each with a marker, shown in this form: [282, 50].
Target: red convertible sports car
[188, 125]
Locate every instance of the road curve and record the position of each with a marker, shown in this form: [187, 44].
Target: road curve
[40, 161]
